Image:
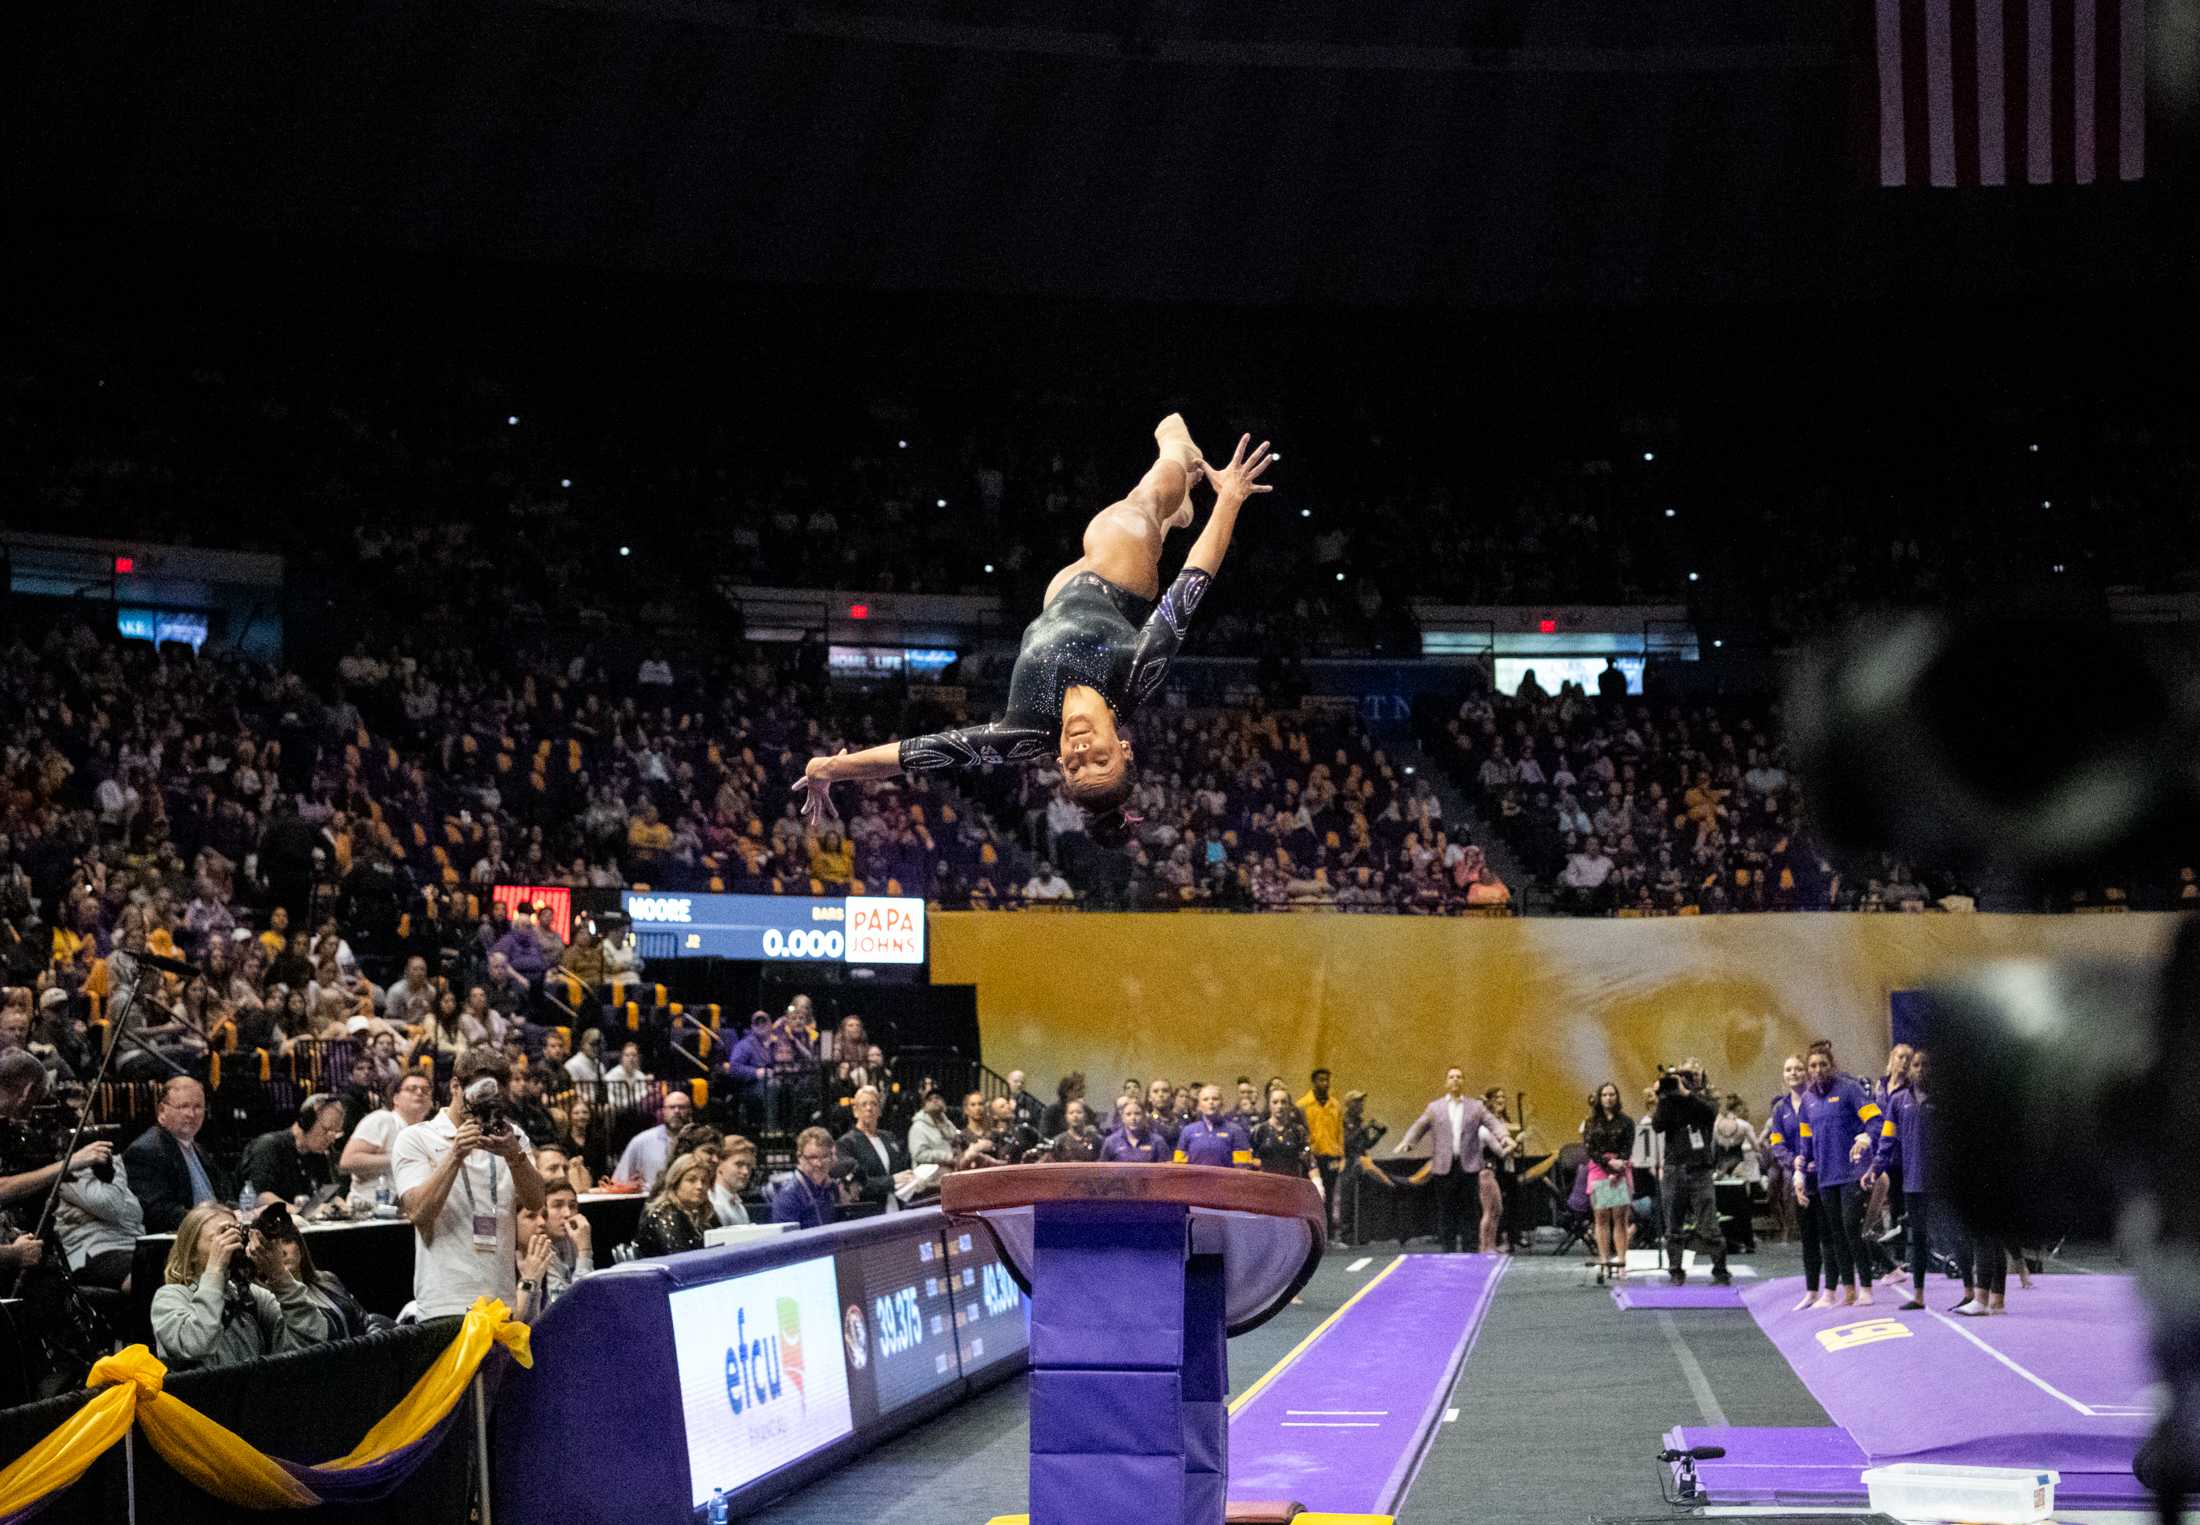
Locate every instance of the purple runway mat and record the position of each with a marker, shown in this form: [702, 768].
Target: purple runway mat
[1655, 1295]
[1343, 1426]
[2056, 1383]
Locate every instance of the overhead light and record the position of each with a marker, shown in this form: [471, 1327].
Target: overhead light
[989, 568]
[1340, 577]
[626, 550]
[1306, 513]
[1649, 455]
[1716, 644]
[1692, 577]
[1409, 769]
[1669, 513]
[939, 503]
[902, 444]
[2033, 448]
[2047, 503]
[565, 481]
[512, 419]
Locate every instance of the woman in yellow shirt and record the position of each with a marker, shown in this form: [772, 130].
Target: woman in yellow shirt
[832, 861]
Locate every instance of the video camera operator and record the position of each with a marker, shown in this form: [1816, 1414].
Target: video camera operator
[22, 1087]
[1685, 1118]
[462, 1176]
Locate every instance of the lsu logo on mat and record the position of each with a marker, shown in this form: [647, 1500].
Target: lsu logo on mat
[1866, 1332]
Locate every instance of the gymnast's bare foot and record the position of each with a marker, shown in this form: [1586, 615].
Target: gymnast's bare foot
[1174, 441]
[1173, 438]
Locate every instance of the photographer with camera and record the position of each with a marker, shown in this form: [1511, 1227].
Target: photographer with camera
[1685, 1119]
[229, 1297]
[22, 1088]
[462, 1176]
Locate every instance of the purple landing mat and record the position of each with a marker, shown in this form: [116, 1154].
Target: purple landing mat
[1669, 1296]
[1343, 1427]
[1824, 1466]
[1770, 1466]
[2058, 1382]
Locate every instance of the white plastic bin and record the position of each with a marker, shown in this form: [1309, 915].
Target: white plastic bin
[1973, 1495]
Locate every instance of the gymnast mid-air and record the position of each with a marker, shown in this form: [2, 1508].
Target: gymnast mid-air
[1095, 652]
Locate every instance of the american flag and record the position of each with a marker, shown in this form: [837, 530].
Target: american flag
[2010, 92]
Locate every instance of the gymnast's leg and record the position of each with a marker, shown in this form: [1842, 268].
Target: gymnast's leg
[1123, 541]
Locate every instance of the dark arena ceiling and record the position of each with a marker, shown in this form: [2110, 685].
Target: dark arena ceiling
[1490, 155]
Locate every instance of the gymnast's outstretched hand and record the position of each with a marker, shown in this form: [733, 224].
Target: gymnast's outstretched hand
[816, 788]
[1241, 478]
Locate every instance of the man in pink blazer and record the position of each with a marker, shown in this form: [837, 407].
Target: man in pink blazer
[1457, 1125]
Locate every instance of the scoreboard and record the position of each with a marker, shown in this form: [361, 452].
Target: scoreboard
[897, 1324]
[843, 929]
[992, 1316]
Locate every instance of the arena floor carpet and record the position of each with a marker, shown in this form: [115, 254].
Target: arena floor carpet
[1561, 1404]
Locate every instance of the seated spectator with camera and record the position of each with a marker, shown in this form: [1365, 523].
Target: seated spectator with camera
[462, 1177]
[340, 1311]
[229, 1297]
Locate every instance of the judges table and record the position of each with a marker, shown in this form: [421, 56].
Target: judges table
[373, 1257]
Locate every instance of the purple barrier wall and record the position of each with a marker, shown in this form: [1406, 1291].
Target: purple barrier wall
[749, 1370]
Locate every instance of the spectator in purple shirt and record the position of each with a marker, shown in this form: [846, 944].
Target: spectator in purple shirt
[523, 950]
[808, 1198]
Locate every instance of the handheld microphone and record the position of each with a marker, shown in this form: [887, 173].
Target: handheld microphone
[1695, 1453]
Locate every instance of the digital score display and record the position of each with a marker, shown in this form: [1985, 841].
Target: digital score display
[897, 1324]
[992, 1316]
[846, 929]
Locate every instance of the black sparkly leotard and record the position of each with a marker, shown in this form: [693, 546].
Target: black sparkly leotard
[1088, 635]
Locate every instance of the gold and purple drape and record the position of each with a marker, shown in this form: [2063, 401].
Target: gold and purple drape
[230, 1467]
